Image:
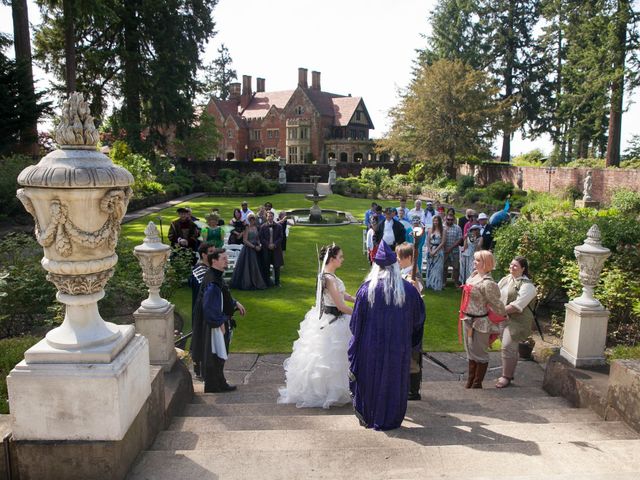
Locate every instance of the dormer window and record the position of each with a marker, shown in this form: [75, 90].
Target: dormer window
[299, 110]
[358, 116]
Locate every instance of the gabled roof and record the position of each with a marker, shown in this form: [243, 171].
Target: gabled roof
[345, 107]
[322, 101]
[263, 101]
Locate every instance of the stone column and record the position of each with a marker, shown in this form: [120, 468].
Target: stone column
[154, 319]
[332, 172]
[88, 379]
[282, 174]
[585, 324]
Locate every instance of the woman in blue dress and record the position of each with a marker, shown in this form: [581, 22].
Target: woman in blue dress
[435, 255]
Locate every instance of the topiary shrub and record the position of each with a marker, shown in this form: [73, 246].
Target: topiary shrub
[499, 191]
[464, 183]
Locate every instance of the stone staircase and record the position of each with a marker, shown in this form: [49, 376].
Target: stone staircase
[453, 433]
[299, 187]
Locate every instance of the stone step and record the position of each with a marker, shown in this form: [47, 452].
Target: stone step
[508, 460]
[443, 390]
[446, 406]
[349, 422]
[462, 434]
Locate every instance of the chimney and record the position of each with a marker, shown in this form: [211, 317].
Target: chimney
[246, 91]
[315, 81]
[259, 84]
[302, 77]
[234, 91]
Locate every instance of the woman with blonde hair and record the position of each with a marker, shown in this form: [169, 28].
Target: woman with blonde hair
[481, 310]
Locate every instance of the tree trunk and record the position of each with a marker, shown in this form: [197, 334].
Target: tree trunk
[22, 48]
[69, 45]
[132, 108]
[617, 85]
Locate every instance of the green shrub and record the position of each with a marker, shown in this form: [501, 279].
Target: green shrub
[499, 190]
[464, 183]
[145, 183]
[587, 163]
[627, 201]
[374, 177]
[534, 158]
[630, 163]
[541, 205]
[11, 353]
[173, 189]
[11, 168]
[473, 195]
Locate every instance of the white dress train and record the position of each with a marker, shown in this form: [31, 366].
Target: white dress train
[317, 370]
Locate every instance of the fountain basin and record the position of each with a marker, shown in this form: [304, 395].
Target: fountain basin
[303, 216]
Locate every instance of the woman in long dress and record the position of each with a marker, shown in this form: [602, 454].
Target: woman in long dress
[471, 241]
[435, 255]
[247, 274]
[317, 370]
[212, 234]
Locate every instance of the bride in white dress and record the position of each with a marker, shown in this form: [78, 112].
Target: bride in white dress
[317, 371]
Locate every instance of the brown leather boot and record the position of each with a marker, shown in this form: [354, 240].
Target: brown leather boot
[472, 373]
[481, 370]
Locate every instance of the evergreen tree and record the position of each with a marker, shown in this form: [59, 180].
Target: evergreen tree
[455, 34]
[508, 37]
[220, 74]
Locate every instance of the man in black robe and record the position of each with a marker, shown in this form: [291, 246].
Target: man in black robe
[213, 314]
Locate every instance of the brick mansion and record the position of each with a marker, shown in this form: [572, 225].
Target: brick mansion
[302, 125]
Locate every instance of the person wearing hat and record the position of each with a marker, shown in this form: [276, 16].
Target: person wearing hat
[429, 213]
[390, 230]
[214, 309]
[471, 240]
[245, 211]
[468, 220]
[486, 233]
[387, 325]
[212, 233]
[183, 232]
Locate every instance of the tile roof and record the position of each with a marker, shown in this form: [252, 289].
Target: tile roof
[343, 109]
[263, 101]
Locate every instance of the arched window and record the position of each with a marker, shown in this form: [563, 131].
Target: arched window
[344, 157]
[357, 157]
[384, 157]
[331, 155]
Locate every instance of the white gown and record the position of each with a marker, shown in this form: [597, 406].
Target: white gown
[317, 370]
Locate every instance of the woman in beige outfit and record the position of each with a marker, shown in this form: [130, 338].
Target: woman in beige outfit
[481, 294]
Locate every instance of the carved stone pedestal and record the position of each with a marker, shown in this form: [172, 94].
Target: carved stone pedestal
[79, 401]
[157, 325]
[587, 204]
[585, 333]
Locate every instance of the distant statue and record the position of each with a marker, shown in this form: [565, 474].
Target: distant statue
[587, 185]
[282, 174]
[332, 172]
[520, 178]
[476, 174]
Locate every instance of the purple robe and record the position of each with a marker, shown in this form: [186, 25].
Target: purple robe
[380, 354]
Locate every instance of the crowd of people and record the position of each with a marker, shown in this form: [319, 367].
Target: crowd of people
[443, 240]
[367, 349]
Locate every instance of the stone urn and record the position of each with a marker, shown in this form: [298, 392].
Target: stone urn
[78, 197]
[591, 256]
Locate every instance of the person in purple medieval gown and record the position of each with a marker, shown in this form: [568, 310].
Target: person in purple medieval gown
[386, 325]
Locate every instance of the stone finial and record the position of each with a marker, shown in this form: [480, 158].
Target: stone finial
[594, 237]
[76, 126]
[152, 235]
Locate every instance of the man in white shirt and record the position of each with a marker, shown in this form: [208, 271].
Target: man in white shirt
[244, 210]
[428, 215]
[418, 210]
[390, 230]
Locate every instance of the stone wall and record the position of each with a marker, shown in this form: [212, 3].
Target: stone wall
[298, 172]
[541, 179]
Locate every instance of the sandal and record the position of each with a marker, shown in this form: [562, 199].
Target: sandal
[503, 382]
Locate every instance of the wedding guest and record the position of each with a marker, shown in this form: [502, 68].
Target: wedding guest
[247, 274]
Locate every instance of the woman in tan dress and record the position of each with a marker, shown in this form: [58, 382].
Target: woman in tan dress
[481, 297]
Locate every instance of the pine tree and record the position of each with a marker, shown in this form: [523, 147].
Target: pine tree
[220, 74]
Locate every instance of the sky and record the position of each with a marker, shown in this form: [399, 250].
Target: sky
[362, 47]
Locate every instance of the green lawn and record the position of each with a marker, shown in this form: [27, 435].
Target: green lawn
[273, 315]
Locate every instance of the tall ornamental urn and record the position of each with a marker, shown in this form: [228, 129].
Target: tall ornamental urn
[87, 379]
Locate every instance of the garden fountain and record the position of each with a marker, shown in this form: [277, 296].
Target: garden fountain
[315, 216]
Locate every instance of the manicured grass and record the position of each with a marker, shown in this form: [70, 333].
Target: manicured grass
[273, 315]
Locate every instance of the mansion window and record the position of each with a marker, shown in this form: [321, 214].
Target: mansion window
[299, 110]
[255, 134]
[304, 133]
[273, 133]
[293, 155]
[358, 115]
[271, 151]
[292, 133]
[229, 133]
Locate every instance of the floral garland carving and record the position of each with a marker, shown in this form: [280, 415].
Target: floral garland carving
[62, 231]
